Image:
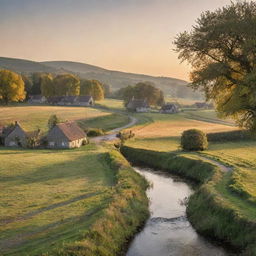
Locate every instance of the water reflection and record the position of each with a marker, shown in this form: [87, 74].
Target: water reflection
[168, 232]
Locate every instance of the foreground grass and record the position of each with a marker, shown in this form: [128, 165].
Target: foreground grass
[85, 201]
[49, 197]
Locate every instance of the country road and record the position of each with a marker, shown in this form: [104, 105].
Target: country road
[111, 135]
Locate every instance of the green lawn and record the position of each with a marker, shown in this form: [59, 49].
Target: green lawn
[49, 197]
[107, 122]
[112, 104]
[34, 117]
[162, 133]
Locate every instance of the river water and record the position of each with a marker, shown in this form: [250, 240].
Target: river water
[168, 232]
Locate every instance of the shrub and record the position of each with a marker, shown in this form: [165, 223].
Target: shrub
[93, 132]
[125, 135]
[193, 140]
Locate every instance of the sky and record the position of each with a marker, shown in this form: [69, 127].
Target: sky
[127, 35]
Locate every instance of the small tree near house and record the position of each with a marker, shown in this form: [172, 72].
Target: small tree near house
[53, 120]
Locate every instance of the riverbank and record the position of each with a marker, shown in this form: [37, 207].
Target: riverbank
[123, 217]
[211, 210]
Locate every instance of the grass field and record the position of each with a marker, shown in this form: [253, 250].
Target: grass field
[49, 197]
[34, 117]
[163, 131]
[163, 134]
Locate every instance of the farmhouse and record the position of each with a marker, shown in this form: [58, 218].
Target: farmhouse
[169, 108]
[54, 100]
[68, 100]
[36, 99]
[14, 136]
[138, 105]
[66, 135]
[85, 101]
[71, 100]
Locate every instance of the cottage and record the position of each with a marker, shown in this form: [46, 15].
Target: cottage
[66, 135]
[54, 100]
[68, 100]
[85, 101]
[138, 105]
[14, 136]
[36, 99]
[169, 108]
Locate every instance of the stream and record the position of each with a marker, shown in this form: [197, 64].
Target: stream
[168, 232]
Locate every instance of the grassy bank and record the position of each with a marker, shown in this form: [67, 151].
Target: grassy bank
[226, 216]
[125, 214]
[50, 200]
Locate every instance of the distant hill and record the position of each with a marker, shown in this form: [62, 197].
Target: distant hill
[171, 86]
[24, 66]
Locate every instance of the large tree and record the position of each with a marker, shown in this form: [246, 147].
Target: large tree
[143, 90]
[221, 48]
[66, 85]
[93, 88]
[11, 87]
[47, 85]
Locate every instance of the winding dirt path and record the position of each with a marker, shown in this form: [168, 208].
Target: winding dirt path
[112, 134]
[223, 168]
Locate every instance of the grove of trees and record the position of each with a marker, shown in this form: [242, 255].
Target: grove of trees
[15, 87]
[142, 90]
[221, 48]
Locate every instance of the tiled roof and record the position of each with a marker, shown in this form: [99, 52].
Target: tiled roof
[71, 130]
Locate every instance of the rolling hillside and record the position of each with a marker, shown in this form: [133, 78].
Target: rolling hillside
[24, 66]
[117, 79]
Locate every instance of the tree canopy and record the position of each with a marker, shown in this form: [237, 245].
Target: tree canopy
[93, 88]
[11, 87]
[66, 85]
[47, 85]
[221, 48]
[143, 90]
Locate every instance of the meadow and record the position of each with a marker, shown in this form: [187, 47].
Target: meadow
[34, 117]
[49, 197]
[163, 133]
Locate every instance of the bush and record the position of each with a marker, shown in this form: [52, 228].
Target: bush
[125, 135]
[193, 140]
[93, 132]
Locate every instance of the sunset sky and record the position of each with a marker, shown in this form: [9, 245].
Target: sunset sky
[128, 35]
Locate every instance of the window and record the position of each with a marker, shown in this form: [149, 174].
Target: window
[51, 143]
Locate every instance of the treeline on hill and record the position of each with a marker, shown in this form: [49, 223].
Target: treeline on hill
[15, 87]
[143, 91]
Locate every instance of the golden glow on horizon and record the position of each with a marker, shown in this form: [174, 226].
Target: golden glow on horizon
[128, 37]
